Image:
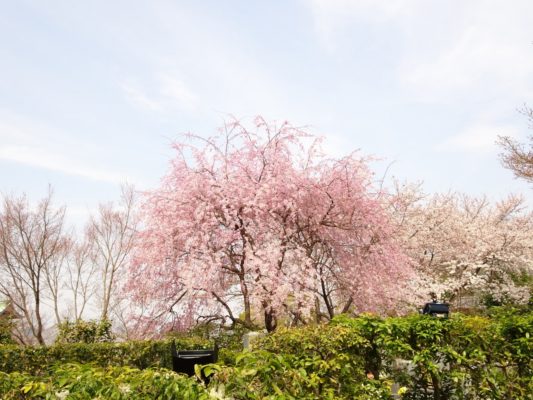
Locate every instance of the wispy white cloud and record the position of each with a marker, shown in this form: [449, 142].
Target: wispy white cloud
[447, 48]
[214, 72]
[44, 158]
[167, 94]
[33, 144]
[486, 56]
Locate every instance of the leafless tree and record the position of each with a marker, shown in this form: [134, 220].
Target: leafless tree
[32, 246]
[80, 276]
[112, 233]
[53, 274]
[517, 156]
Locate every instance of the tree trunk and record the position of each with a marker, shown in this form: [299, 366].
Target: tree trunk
[270, 320]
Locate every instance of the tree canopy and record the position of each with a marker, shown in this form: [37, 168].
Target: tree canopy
[256, 226]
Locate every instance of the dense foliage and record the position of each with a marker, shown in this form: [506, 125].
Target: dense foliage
[74, 381]
[84, 332]
[6, 328]
[417, 357]
[428, 358]
[139, 354]
[309, 363]
[459, 358]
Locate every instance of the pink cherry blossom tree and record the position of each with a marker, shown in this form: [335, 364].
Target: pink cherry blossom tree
[256, 226]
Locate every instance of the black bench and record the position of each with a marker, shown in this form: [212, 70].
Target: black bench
[437, 309]
[183, 361]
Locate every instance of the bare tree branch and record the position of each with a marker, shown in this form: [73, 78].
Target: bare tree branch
[32, 249]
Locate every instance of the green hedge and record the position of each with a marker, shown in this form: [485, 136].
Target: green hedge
[464, 357]
[75, 381]
[315, 362]
[459, 358]
[360, 358]
[35, 360]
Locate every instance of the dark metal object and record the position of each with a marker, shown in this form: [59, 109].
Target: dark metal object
[183, 361]
[436, 309]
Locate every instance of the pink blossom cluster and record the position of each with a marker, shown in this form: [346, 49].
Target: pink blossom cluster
[464, 246]
[257, 227]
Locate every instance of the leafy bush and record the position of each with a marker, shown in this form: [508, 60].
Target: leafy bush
[264, 375]
[464, 357]
[75, 381]
[315, 362]
[229, 341]
[458, 358]
[139, 354]
[82, 331]
[6, 327]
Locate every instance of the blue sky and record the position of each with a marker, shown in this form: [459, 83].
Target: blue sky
[92, 93]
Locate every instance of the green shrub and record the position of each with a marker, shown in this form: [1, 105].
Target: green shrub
[314, 362]
[6, 327]
[226, 338]
[140, 354]
[75, 381]
[464, 357]
[81, 331]
[265, 375]
[229, 341]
